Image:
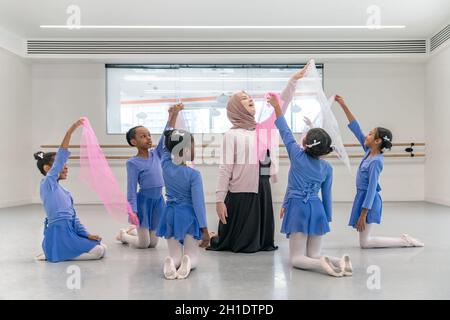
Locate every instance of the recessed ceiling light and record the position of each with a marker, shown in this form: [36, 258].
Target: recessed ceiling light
[74, 27]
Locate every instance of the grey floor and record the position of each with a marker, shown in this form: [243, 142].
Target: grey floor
[127, 273]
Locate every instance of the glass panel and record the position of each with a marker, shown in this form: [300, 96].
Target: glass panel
[141, 95]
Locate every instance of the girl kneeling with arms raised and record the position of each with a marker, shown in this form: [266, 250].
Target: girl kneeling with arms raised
[367, 206]
[305, 216]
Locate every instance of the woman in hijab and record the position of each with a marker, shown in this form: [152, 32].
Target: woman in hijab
[243, 193]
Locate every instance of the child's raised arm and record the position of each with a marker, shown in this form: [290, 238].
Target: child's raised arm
[344, 107]
[66, 141]
[353, 124]
[63, 154]
[285, 132]
[173, 114]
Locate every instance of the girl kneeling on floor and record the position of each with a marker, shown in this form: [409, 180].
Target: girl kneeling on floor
[305, 216]
[183, 222]
[65, 238]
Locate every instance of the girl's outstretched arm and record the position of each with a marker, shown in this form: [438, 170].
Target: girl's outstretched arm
[63, 154]
[344, 107]
[353, 124]
[285, 132]
[66, 141]
[173, 114]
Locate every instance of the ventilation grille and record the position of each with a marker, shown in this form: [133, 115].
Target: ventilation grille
[440, 37]
[36, 47]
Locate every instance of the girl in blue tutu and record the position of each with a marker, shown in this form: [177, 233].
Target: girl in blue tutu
[183, 222]
[367, 206]
[305, 216]
[144, 170]
[65, 238]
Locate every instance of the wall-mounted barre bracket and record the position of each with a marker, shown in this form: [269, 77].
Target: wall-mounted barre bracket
[410, 149]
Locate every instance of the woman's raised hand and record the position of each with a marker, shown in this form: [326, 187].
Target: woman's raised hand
[301, 73]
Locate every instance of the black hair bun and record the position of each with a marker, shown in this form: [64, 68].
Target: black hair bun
[318, 143]
[168, 133]
[39, 155]
[386, 138]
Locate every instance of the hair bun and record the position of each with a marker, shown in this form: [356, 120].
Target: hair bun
[39, 155]
[168, 133]
[386, 138]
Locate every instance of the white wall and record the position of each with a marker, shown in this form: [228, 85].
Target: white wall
[437, 117]
[15, 130]
[391, 95]
[381, 94]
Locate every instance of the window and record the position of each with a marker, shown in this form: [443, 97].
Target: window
[142, 94]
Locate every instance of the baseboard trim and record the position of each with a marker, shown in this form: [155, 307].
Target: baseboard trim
[15, 203]
[438, 200]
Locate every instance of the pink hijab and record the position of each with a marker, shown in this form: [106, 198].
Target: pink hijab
[238, 115]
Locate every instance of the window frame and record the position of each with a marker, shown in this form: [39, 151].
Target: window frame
[293, 66]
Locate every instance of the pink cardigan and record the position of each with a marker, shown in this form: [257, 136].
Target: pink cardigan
[239, 169]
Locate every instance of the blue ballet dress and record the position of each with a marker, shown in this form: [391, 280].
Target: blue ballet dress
[367, 186]
[185, 212]
[305, 212]
[65, 237]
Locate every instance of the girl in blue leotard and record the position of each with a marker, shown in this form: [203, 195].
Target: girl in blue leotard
[367, 206]
[183, 222]
[65, 238]
[305, 216]
[144, 171]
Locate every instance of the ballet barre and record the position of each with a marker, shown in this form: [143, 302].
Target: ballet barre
[409, 151]
[119, 146]
[283, 156]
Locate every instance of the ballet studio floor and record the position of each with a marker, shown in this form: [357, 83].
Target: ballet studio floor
[127, 273]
